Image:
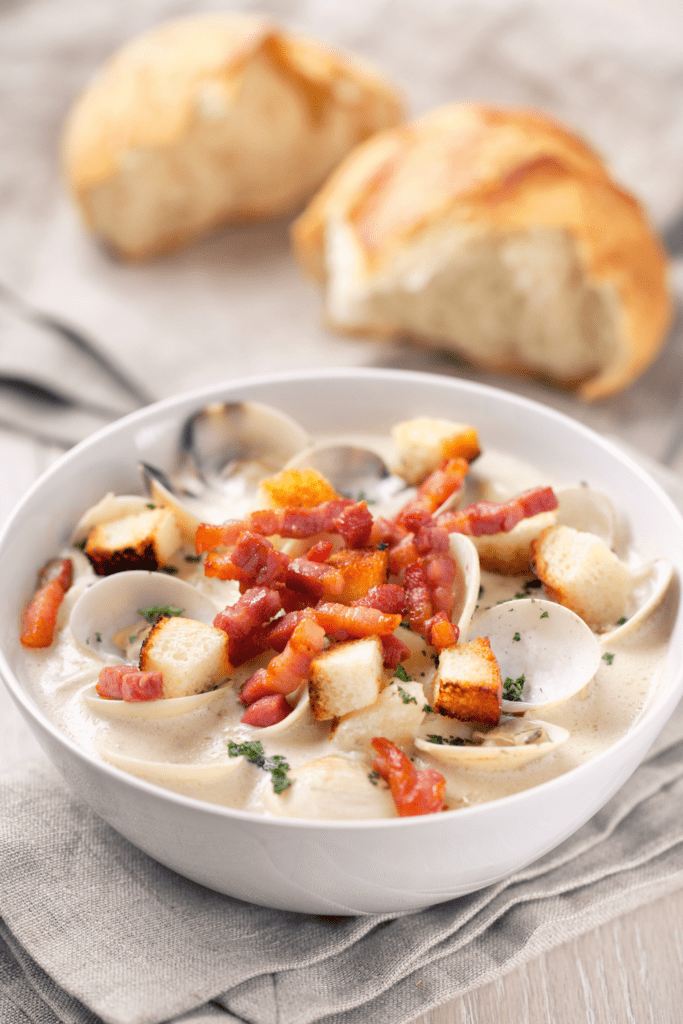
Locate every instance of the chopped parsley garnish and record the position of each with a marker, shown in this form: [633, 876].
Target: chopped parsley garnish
[98, 637]
[406, 625]
[383, 545]
[516, 637]
[150, 504]
[153, 613]
[545, 615]
[481, 593]
[428, 709]
[609, 658]
[254, 752]
[622, 620]
[401, 674]
[170, 569]
[406, 697]
[450, 741]
[193, 558]
[374, 777]
[512, 688]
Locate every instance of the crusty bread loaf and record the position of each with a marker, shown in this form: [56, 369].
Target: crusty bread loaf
[212, 119]
[579, 571]
[497, 234]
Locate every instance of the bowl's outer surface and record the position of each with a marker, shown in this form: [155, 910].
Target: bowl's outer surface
[339, 867]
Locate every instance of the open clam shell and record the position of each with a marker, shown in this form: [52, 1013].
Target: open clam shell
[170, 771]
[512, 744]
[466, 583]
[650, 583]
[582, 508]
[546, 646]
[148, 709]
[114, 602]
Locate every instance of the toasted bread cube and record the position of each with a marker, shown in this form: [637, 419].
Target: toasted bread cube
[423, 443]
[510, 553]
[143, 540]
[397, 714]
[294, 488]
[191, 656]
[361, 568]
[346, 677]
[579, 571]
[468, 684]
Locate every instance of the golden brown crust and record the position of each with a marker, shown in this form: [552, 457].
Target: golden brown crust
[186, 79]
[499, 172]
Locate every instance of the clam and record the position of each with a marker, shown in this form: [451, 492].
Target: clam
[333, 788]
[170, 771]
[545, 648]
[512, 744]
[224, 451]
[650, 583]
[148, 709]
[466, 583]
[114, 602]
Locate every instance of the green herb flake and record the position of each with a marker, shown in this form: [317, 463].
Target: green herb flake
[450, 741]
[516, 637]
[622, 620]
[170, 569]
[545, 615]
[152, 614]
[254, 752]
[609, 658]
[401, 674]
[406, 697]
[512, 688]
[374, 777]
[406, 625]
[383, 545]
[193, 558]
[150, 504]
[98, 637]
[428, 709]
[132, 639]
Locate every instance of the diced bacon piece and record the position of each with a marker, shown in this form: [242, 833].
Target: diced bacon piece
[394, 651]
[300, 523]
[220, 566]
[267, 711]
[356, 620]
[404, 554]
[210, 536]
[252, 610]
[355, 525]
[40, 618]
[253, 561]
[126, 682]
[414, 792]
[413, 517]
[386, 597]
[440, 571]
[315, 580]
[293, 601]
[386, 532]
[486, 517]
[441, 632]
[436, 489]
[288, 670]
[321, 551]
[264, 521]
[281, 629]
[418, 597]
[432, 540]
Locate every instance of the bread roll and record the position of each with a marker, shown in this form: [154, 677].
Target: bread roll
[211, 119]
[497, 234]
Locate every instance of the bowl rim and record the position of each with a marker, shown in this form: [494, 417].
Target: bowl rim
[216, 392]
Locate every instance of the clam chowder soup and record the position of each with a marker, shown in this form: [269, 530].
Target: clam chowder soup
[360, 627]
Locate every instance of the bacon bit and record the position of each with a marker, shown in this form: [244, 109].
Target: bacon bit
[267, 711]
[441, 632]
[315, 580]
[413, 517]
[432, 540]
[239, 620]
[209, 536]
[292, 601]
[126, 682]
[40, 618]
[440, 571]
[436, 488]
[321, 551]
[414, 792]
[394, 651]
[288, 670]
[253, 561]
[279, 632]
[300, 523]
[404, 554]
[389, 598]
[384, 531]
[356, 620]
[418, 597]
[355, 525]
[487, 517]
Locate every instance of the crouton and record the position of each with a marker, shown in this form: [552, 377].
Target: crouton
[346, 677]
[191, 656]
[579, 571]
[143, 540]
[510, 553]
[397, 714]
[294, 488]
[422, 445]
[468, 684]
[361, 568]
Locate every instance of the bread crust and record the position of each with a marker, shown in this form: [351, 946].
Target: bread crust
[493, 174]
[193, 83]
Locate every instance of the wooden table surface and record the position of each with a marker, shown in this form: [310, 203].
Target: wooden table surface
[629, 971]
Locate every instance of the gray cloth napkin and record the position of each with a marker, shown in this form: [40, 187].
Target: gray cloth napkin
[93, 929]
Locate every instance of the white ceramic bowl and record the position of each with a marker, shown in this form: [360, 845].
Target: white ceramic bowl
[338, 867]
